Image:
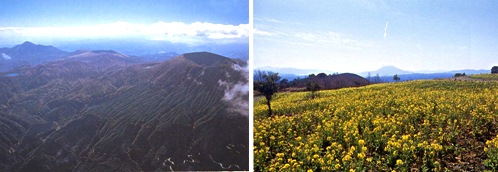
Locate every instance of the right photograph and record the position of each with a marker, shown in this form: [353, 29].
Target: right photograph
[375, 85]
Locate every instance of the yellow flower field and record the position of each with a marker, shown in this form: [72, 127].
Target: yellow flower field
[424, 124]
[486, 76]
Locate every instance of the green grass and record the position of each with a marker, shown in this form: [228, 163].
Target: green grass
[486, 76]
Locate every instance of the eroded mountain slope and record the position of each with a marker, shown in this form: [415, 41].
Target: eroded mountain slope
[85, 115]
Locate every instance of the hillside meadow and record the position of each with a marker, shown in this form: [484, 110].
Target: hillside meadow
[424, 125]
[485, 76]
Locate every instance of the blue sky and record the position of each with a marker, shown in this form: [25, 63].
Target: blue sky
[218, 21]
[348, 36]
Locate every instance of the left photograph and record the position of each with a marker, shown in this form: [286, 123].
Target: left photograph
[124, 86]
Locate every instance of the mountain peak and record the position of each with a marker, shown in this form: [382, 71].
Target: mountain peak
[390, 70]
[27, 43]
[105, 51]
[29, 46]
[207, 59]
[386, 71]
[389, 67]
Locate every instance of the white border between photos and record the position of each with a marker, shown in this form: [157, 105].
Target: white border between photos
[251, 85]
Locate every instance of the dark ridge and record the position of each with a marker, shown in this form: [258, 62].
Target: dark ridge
[104, 51]
[208, 59]
[352, 75]
[334, 81]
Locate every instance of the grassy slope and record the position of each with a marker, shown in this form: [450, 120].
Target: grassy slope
[486, 76]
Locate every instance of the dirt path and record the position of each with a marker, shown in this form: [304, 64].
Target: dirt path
[258, 98]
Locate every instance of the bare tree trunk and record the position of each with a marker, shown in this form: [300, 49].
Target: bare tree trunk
[269, 107]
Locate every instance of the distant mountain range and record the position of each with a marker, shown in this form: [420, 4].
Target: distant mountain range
[106, 111]
[139, 47]
[160, 56]
[335, 81]
[294, 71]
[386, 73]
[30, 54]
[391, 71]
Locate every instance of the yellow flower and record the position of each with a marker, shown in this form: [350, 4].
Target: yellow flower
[346, 158]
[361, 142]
[310, 170]
[361, 155]
[286, 166]
[399, 162]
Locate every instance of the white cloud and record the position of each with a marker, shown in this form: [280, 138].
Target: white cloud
[236, 94]
[177, 31]
[332, 39]
[385, 31]
[5, 56]
[312, 38]
[268, 19]
[259, 32]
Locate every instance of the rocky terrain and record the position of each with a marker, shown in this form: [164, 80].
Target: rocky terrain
[105, 111]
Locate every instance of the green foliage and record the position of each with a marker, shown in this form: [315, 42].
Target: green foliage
[322, 75]
[268, 87]
[485, 76]
[284, 83]
[313, 87]
[494, 69]
[396, 78]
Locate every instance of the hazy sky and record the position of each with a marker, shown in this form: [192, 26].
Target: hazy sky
[358, 35]
[185, 21]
